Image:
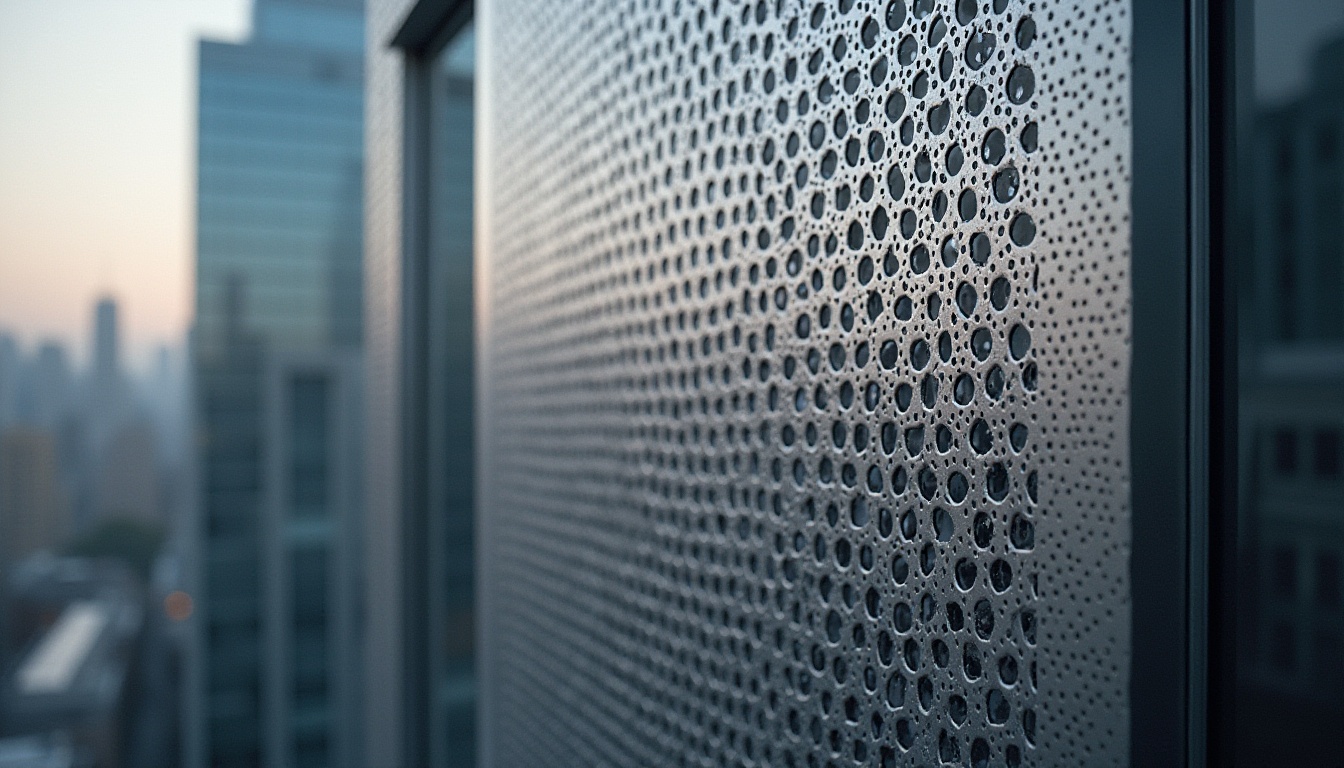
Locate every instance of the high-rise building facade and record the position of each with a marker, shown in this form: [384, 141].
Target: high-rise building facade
[52, 387]
[311, 556]
[10, 369]
[106, 409]
[107, 400]
[278, 278]
[106, 340]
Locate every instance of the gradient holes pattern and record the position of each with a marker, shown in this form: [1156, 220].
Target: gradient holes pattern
[806, 366]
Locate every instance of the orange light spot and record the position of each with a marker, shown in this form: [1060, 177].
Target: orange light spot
[178, 605]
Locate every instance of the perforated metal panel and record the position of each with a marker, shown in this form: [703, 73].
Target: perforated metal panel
[804, 365]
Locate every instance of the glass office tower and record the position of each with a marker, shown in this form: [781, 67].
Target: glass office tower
[276, 343]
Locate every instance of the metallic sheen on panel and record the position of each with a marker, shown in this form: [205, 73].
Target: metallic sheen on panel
[804, 356]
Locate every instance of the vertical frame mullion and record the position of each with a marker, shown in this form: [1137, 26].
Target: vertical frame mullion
[1160, 385]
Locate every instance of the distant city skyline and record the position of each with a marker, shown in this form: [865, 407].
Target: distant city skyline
[79, 351]
[79, 221]
[96, 166]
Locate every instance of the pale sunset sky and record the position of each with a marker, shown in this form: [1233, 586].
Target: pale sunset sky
[97, 144]
[97, 167]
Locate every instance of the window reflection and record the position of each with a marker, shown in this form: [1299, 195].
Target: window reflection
[452, 460]
[1291, 533]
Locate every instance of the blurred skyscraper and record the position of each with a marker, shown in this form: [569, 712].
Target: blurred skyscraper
[51, 386]
[273, 676]
[106, 346]
[167, 381]
[107, 408]
[107, 400]
[10, 364]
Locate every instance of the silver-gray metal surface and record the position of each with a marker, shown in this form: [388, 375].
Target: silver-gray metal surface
[804, 353]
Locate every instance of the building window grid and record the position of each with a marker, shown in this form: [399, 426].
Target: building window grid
[1285, 451]
[1328, 581]
[1326, 452]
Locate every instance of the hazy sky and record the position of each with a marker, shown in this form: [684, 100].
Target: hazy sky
[97, 103]
[97, 143]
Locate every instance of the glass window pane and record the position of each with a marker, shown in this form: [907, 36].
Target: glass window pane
[1291, 303]
[451, 458]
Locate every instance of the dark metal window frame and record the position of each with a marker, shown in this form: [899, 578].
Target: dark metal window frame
[1183, 384]
[427, 29]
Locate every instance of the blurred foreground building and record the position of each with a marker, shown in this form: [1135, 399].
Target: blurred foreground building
[273, 677]
[68, 698]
